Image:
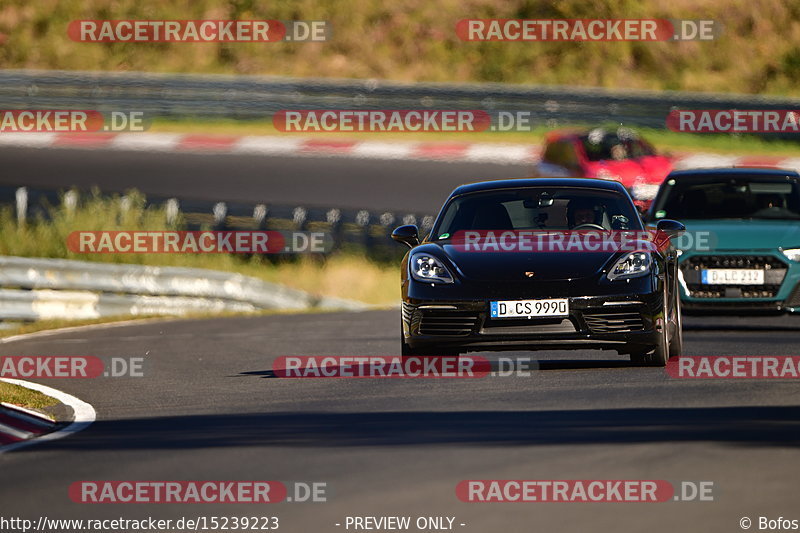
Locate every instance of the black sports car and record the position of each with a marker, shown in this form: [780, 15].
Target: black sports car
[459, 298]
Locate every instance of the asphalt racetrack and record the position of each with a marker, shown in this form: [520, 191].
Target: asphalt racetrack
[209, 407]
[421, 186]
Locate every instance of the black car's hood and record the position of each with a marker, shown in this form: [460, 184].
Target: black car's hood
[510, 266]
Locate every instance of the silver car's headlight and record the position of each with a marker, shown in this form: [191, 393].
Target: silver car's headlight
[631, 265]
[427, 268]
[792, 253]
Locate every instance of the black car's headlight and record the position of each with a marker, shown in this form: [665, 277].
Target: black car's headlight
[631, 265]
[427, 268]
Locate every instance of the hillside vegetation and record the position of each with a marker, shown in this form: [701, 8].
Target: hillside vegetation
[415, 40]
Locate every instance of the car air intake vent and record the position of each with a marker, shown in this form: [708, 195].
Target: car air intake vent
[794, 299]
[448, 323]
[761, 262]
[614, 322]
[406, 311]
[733, 291]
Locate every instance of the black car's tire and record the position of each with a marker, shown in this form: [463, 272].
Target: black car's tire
[661, 352]
[655, 357]
[676, 340]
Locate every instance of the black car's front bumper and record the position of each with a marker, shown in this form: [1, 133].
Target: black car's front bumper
[626, 323]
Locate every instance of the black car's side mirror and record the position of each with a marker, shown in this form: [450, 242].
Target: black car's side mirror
[671, 228]
[408, 235]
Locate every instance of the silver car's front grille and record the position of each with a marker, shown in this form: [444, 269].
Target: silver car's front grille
[774, 273]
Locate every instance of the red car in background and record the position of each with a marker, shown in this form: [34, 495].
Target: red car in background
[620, 155]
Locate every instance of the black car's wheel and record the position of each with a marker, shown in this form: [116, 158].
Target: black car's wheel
[655, 357]
[660, 353]
[676, 340]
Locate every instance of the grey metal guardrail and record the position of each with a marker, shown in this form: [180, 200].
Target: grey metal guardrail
[37, 288]
[257, 97]
[363, 230]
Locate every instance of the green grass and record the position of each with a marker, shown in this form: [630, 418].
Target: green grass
[415, 40]
[344, 275]
[30, 399]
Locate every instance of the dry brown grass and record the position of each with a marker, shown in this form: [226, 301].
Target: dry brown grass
[758, 51]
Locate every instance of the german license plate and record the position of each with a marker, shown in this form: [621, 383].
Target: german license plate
[526, 308]
[732, 276]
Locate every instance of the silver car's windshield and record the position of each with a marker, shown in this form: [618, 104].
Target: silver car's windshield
[730, 197]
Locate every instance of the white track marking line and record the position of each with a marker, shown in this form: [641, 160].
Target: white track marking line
[266, 145]
[501, 153]
[161, 142]
[383, 150]
[69, 329]
[31, 139]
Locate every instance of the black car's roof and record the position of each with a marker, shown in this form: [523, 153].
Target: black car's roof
[728, 171]
[517, 183]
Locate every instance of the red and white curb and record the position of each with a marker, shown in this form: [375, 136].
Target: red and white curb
[18, 424]
[21, 427]
[502, 153]
[275, 145]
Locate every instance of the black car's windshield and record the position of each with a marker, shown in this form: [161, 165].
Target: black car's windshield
[538, 208]
[730, 197]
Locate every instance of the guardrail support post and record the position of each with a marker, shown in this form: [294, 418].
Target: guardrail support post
[22, 205]
[71, 201]
[172, 209]
[220, 211]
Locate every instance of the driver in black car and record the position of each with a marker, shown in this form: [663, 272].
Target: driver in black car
[582, 211]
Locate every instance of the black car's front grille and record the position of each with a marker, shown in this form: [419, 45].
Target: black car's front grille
[528, 327]
[774, 273]
[614, 322]
[446, 322]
